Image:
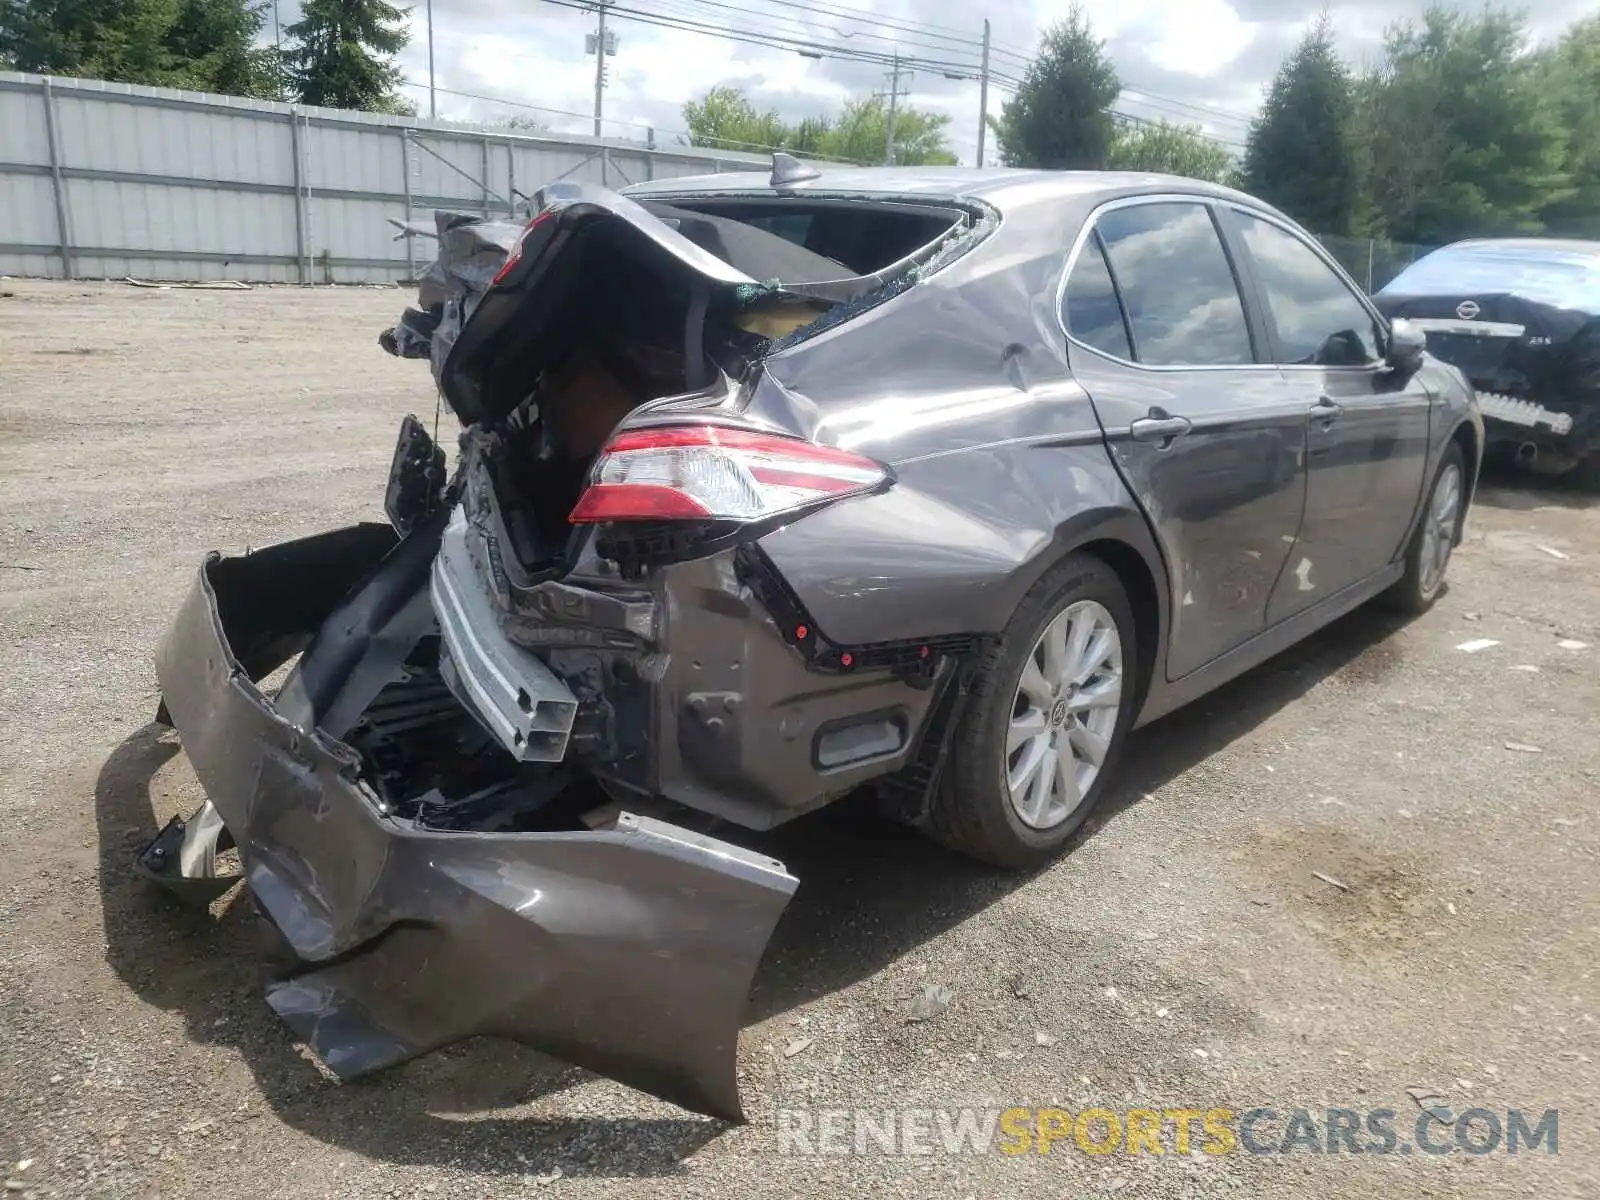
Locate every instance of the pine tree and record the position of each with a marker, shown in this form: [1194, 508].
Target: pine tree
[1573, 68]
[212, 44]
[342, 54]
[1061, 115]
[1301, 155]
[1492, 111]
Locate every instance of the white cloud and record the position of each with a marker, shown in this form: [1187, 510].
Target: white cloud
[1204, 61]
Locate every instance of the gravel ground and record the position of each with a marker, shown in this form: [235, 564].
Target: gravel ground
[1185, 953]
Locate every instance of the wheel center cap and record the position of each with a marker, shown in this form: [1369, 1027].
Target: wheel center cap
[1058, 714]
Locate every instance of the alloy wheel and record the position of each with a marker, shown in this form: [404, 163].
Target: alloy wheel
[1063, 715]
[1439, 528]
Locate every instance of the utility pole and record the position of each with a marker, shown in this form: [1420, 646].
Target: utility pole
[600, 43]
[433, 99]
[893, 97]
[983, 94]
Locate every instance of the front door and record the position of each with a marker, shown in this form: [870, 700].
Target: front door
[1209, 438]
[1367, 426]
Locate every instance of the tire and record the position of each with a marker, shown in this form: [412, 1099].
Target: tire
[1416, 591]
[973, 810]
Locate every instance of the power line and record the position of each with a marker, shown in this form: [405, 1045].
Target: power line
[804, 30]
[872, 18]
[823, 10]
[724, 143]
[1168, 102]
[806, 46]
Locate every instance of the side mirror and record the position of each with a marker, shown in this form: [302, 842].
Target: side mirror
[1406, 345]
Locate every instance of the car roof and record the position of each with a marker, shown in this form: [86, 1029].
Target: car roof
[1533, 246]
[1556, 271]
[1003, 187]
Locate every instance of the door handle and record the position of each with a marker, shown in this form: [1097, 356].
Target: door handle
[1326, 410]
[1159, 429]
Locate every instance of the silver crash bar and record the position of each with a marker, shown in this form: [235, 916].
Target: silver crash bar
[1523, 412]
[516, 697]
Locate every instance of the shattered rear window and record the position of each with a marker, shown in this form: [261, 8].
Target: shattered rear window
[807, 241]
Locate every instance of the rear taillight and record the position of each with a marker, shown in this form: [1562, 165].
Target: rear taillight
[516, 250]
[709, 473]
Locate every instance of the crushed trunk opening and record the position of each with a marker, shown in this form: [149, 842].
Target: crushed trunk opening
[452, 808]
[628, 949]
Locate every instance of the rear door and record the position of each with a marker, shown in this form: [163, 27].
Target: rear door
[1367, 426]
[1208, 435]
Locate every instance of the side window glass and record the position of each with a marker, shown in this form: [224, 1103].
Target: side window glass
[1183, 303]
[1091, 311]
[1318, 319]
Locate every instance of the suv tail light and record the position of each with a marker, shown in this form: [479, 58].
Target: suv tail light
[710, 473]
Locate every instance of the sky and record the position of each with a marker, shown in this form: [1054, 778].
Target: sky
[1206, 62]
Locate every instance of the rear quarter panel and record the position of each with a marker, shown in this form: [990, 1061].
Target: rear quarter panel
[961, 384]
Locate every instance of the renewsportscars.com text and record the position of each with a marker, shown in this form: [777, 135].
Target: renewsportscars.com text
[1260, 1130]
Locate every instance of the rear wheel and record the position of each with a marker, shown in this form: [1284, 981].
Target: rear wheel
[1049, 712]
[1428, 557]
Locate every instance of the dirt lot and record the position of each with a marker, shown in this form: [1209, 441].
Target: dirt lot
[1184, 954]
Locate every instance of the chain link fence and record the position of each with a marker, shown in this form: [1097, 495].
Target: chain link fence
[1373, 262]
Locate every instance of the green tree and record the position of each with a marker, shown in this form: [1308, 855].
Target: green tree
[342, 54]
[1061, 115]
[1572, 70]
[1166, 149]
[726, 119]
[119, 40]
[1302, 154]
[1466, 130]
[205, 45]
[858, 135]
[213, 43]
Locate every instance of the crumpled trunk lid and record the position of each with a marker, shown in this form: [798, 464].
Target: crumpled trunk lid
[498, 307]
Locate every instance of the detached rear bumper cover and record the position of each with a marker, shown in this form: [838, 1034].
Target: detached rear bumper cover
[629, 951]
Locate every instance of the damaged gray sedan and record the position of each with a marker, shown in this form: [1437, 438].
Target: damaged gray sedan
[926, 484]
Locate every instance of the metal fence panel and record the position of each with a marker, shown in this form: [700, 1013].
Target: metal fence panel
[28, 213]
[104, 179]
[23, 136]
[1373, 262]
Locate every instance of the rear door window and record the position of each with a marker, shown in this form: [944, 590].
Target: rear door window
[1177, 285]
[1317, 318]
[1090, 309]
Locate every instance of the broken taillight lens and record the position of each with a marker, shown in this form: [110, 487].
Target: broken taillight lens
[711, 473]
[516, 250]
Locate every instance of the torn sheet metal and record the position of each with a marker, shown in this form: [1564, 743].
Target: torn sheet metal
[471, 250]
[627, 950]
